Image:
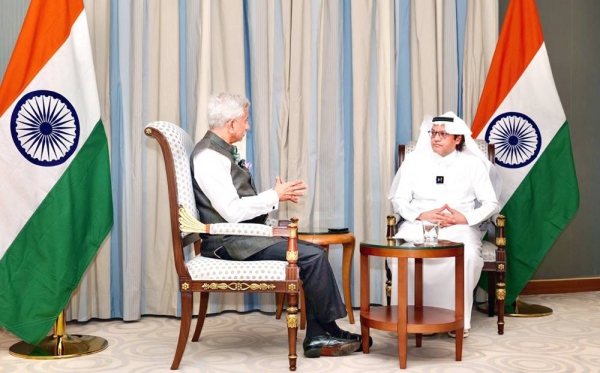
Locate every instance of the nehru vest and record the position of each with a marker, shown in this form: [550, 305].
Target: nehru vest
[239, 247]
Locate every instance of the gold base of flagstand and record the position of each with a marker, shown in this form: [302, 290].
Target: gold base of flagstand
[522, 309]
[59, 345]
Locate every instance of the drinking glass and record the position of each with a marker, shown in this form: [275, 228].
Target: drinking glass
[431, 230]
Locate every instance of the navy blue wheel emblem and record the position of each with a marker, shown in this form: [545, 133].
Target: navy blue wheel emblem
[45, 128]
[516, 137]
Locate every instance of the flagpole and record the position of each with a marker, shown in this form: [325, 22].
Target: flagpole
[59, 345]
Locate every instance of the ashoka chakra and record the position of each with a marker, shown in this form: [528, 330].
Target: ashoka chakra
[45, 128]
[516, 137]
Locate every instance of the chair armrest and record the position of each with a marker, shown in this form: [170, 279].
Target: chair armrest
[393, 222]
[500, 237]
[189, 224]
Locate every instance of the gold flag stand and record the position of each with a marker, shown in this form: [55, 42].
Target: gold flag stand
[522, 309]
[59, 345]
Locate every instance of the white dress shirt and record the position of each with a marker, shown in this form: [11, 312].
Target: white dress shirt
[213, 171]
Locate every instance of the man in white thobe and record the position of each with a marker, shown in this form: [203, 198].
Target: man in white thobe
[446, 179]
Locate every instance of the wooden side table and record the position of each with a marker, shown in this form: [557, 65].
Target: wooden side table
[417, 319]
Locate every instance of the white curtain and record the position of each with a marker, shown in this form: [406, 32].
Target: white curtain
[325, 80]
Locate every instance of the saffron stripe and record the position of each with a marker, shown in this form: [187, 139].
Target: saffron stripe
[46, 27]
[520, 39]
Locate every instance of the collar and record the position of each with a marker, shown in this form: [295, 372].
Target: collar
[447, 160]
[213, 137]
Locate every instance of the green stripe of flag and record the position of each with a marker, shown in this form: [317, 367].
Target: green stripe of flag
[538, 211]
[46, 261]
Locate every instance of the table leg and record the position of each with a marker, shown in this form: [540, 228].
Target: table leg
[365, 298]
[402, 311]
[459, 301]
[418, 291]
[348, 253]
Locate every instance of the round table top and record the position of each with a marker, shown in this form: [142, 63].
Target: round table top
[400, 244]
[400, 248]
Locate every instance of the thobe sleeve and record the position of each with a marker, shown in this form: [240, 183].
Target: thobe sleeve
[402, 195]
[485, 195]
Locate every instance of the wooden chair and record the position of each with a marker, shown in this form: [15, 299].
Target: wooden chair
[206, 275]
[494, 256]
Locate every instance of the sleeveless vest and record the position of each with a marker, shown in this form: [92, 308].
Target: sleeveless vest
[238, 247]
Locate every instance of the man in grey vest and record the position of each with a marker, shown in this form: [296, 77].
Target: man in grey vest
[225, 192]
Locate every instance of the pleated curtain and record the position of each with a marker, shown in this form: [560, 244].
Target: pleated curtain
[335, 85]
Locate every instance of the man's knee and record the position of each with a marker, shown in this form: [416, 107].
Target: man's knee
[309, 252]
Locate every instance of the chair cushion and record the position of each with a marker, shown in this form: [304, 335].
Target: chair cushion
[488, 251]
[202, 268]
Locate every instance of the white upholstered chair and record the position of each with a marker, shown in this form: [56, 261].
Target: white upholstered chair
[206, 275]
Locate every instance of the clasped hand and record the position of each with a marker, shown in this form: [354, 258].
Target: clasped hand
[289, 191]
[446, 215]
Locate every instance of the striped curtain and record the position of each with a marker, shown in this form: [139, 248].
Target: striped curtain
[335, 85]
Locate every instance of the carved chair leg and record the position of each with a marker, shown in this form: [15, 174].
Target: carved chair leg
[500, 295]
[292, 325]
[184, 327]
[281, 298]
[201, 316]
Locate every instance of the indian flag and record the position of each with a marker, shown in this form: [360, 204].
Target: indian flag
[520, 112]
[55, 193]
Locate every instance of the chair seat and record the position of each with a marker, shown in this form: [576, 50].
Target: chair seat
[203, 268]
[488, 251]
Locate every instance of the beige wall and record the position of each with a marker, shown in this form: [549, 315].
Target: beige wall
[571, 30]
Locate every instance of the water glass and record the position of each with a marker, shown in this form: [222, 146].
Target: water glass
[431, 230]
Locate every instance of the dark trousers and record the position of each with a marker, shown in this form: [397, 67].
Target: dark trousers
[322, 299]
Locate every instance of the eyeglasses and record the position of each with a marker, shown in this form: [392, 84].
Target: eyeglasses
[433, 133]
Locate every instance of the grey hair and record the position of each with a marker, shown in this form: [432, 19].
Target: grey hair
[225, 107]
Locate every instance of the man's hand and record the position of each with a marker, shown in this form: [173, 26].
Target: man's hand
[446, 215]
[289, 191]
[454, 217]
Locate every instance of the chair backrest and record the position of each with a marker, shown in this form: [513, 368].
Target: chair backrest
[487, 149]
[176, 146]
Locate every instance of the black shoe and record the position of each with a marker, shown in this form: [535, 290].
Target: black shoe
[356, 337]
[326, 345]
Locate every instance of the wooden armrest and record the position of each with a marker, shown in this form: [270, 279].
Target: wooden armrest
[500, 237]
[391, 226]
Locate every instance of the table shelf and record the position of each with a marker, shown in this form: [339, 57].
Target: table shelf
[420, 319]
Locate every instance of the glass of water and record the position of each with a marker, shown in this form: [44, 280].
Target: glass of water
[431, 230]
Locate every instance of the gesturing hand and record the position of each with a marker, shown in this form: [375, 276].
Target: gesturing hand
[289, 191]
